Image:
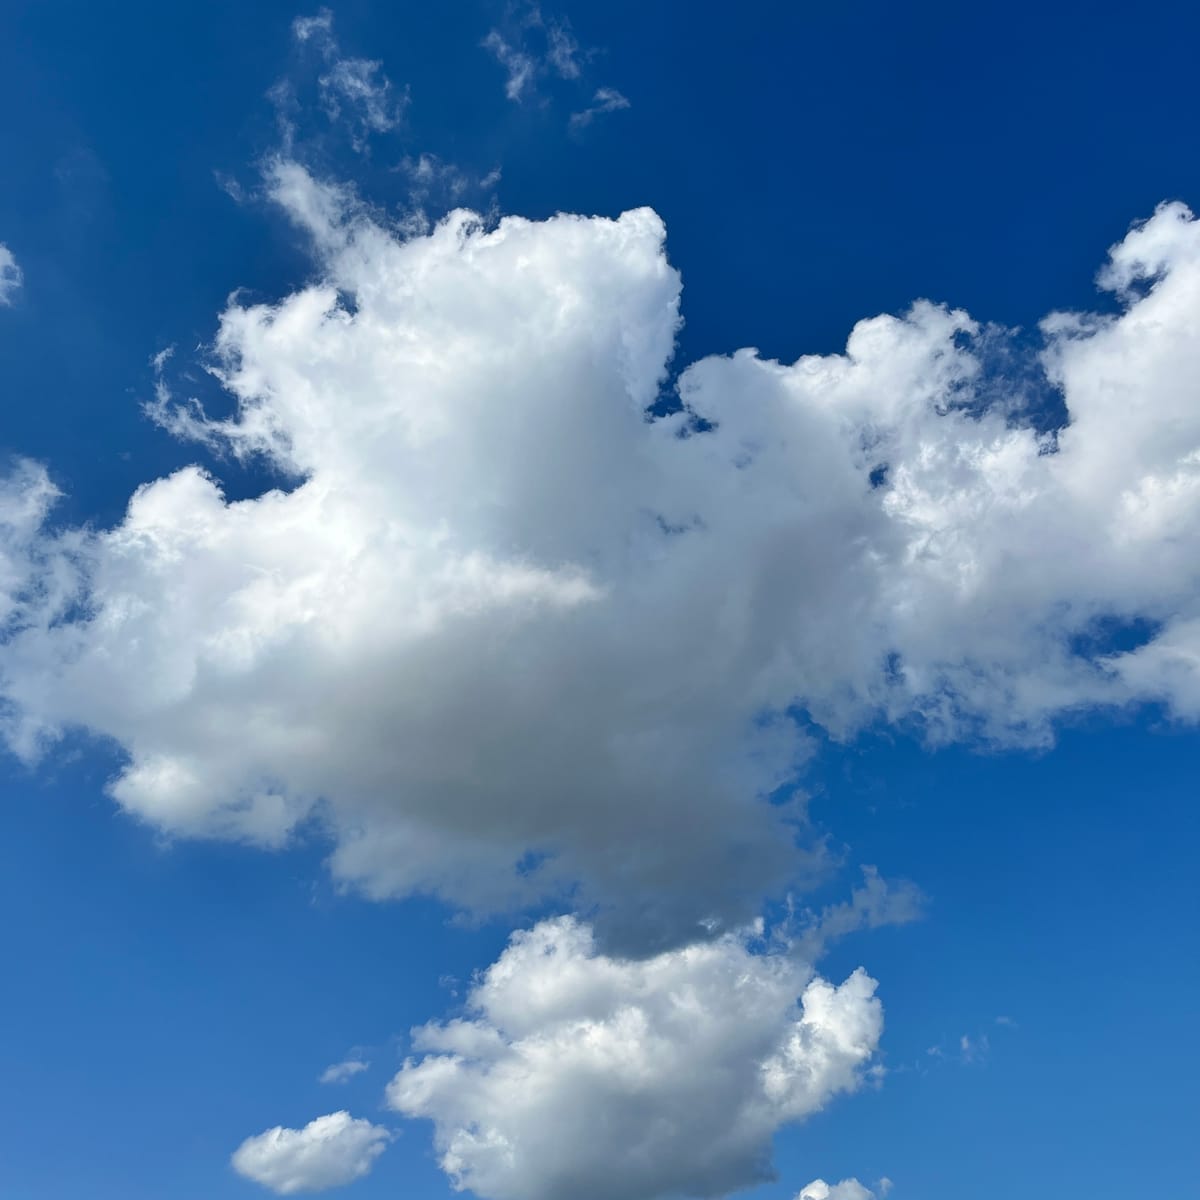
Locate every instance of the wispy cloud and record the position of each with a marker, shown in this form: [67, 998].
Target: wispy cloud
[562, 51]
[355, 91]
[343, 1071]
[534, 45]
[11, 277]
[872, 905]
[520, 66]
[605, 100]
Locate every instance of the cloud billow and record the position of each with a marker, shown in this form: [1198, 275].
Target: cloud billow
[329, 1152]
[577, 1074]
[503, 636]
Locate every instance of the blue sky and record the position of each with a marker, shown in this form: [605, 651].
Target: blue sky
[549, 663]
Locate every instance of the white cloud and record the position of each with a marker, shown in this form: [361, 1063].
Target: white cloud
[503, 636]
[329, 1152]
[562, 50]
[848, 1189]
[519, 66]
[343, 1071]
[318, 27]
[605, 100]
[556, 51]
[10, 275]
[28, 575]
[431, 178]
[874, 904]
[974, 1049]
[361, 85]
[353, 90]
[577, 1074]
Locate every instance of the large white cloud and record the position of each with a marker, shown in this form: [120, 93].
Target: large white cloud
[329, 1152]
[578, 1074]
[504, 635]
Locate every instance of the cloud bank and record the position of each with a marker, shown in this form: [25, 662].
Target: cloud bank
[502, 634]
[577, 1074]
[327, 1153]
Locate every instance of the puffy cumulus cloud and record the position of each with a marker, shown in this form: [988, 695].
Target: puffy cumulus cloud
[329, 1152]
[10, 275]
[848, 1189]
[503, 634]
[578, 1074]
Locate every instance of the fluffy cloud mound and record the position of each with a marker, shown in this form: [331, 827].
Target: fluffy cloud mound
[848, 1189]
[329, 1152]
[577, 1074]
[502, 635]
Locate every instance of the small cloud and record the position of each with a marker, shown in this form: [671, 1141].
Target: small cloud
[874, 904]
[534, 46]
[490, 179]
[329, 1152]
[973, 1050]
[11, 277]
[231, 187]
[1007, 1022]
[519, 65]
[353, 90]
[343, 1071]
[360, 85]
[304, 28]
[562, 51]
[431, 177]
[848, 1189]
[605, 100]
[884, 1187]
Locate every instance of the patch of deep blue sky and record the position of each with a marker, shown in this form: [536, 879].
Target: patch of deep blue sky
[815, 164]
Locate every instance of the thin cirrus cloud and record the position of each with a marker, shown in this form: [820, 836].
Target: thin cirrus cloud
[328, 1152]
[10, 275]
[354, 91]
[605, 100]
[502, 637]
[533, 45]
[520, 67]
[575, 1073]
